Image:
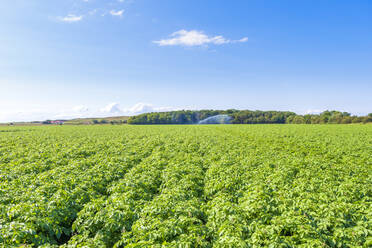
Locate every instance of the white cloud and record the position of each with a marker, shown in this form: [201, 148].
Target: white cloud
[80, 111]
[84, 10]
[117, 13]
[71, 18]
[112, 108]
[313, 111]
[139, 108]
[195, 38]
[245, 39]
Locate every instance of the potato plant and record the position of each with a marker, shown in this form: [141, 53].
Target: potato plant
[186, 186]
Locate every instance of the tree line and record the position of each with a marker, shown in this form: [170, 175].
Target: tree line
[248, 117]
[329, 117]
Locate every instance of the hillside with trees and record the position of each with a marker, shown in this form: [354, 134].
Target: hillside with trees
[249, 117]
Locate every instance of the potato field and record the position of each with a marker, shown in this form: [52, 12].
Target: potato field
[186, 186]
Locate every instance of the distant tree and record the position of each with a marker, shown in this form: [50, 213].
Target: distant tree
[298, 119]
[346, 120]
[324, 117]
[95, 121]
[261, 119]
[355, 119]
[335, 118]
[315, 119]
[307, 119]
[275, 119]
[289, 120]
[369, 117]
[244, 117]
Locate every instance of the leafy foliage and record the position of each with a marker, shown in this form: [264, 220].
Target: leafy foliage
[192, 117]
[186, 186]
[248, 117]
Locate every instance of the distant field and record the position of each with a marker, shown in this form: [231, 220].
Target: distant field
[116, 120]
[186, 186]
[77, 121]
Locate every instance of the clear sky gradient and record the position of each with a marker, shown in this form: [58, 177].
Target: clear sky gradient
[76, 58]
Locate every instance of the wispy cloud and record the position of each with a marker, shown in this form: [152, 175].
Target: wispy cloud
[313, 111]
[79, 111]
[71, 18]
[195, 38]
[112, 108]
[84, 10]
[139, 108]
[245, 39]
[117, 13]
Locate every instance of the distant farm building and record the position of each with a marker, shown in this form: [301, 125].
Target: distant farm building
[57, 122]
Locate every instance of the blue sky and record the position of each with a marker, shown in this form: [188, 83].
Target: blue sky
[76, 58]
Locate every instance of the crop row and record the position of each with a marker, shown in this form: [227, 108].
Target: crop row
[186, 186]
